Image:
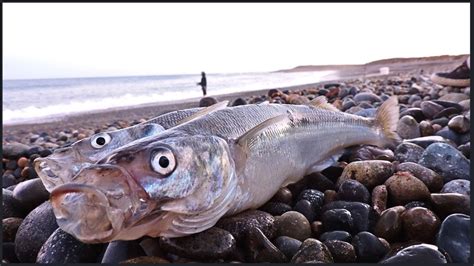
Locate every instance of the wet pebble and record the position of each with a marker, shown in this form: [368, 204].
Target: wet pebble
[426, 129]
[368, 247]
[353, 190]
[379, 198]
[116, 252]
[446, 161]
[31, 193]
[11, 207]
[33, 232]
[62, 247]
[420, 224]
[342, 252]
[336, 235]
[337, 219]
[459, 124]
[370, 173]
[22, 162]
[408, 152]
[207, 101]
[445, 204]
[305, 207]
[239, 101]
[460, 186]
[145, 260]
[263, 250]
[8, 180]
[239, 224]
[287, 222]
[288, 245]
[14, 150]
[424, 142]
[319, 182]
[442, 122]
[362, 214]
[8, 253]
[10, 227]
[315, 197]
[282, 195]
[447, 112]
[430, 108]
[451, 135]
[408, 127]
[389, 225]
[465, 149]
[454, 97]
[453, 237]
[312, 250]
[425, 253]
[366, 96]
[403, 187]
[365, 153]
[432, 180]
[413, 112]
[275, 208]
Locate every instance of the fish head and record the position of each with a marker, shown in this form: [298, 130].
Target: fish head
[64, 163]
[140, 189]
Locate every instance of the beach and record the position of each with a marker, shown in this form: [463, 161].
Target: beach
[376, 204]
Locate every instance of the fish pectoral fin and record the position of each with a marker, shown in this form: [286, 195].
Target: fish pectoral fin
[205, 111]
[268, 127]
[321, 165]
[322, 102]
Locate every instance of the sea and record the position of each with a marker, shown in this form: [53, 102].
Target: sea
[35, 99]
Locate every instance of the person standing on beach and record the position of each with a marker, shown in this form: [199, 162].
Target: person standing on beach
[203, 83]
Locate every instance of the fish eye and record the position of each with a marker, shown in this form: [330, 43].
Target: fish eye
[100, 140]
[163, 162]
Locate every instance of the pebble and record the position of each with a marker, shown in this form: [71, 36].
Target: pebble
[11, 207]
[275, 208]
[282, 195]
[446, 160]
[459, 124]
[362, 214]
[368, 247]
[116, 251]
[447, 112]
[336, 235]
[287, 222]
[465, 149]
[370, 173]
[465, 104]
[337, 219]
[408, 127]
[62, 247]
[342, 252]
[446, 104]
[33, 232]
[460, 186]
[146, 260]
[353, 190]
[305, 207]
[239, 101]
[10, 227]
[403, 187]
[415, 203]
[8, 180]
[315, 197]
[413, 112]
[420, 224]
[287, 245]
[207, 101]
[31, 193]
[316, 228]
[442, 121]
[454, 97]
[432, 180]
[426, 129]
[424, 142]
[312, 250]
[389, 225]
[238, 225]
[430, 108]
[8, 253]
[408, 152]
[14, 150]
[261, 249]
[453, 237]
[451, 135]
[365, 153]
[445, 204]
[214, 243]
[366, 96]
[319, 182]
[379, 198]
[22, 162]
[426, 253]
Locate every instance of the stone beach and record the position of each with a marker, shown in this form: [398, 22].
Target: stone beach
[406, 203]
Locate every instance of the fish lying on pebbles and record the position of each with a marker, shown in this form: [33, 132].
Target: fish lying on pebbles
[183, 180]
[61, 166]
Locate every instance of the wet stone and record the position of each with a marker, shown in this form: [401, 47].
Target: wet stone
[460, 186]
[379, 198]
[366, 152]
[8, 253]
[430, 108]
[408, 127]
[62, 247]
[33, 232]
[312, 250]
[342, 252]
[10, 227]
[426, 129]
[424, 142]
[329, 196]
[362, 214]
[118, 251]
[420, 224]
[337, 219]
[447, 104]
[368, 247]
[145, 260]
[336, 235]
[207, 101]
[305, 207]
[389, 226]
[289, 246]
[319, 182]
[446, 161]
[403, 187]
[415, 203]
[408, 152]
[315, 197]
[432, 180]
[454, 97]
[465, 149]
[366, 96]
[370, 173]
[447, 112]
[413, 112]
[425, 253]
[31, 193]
[275, 208]
[282, 195]
[459, 124]
[8, 180]
[287, 222]
[239, 101]
[453, 237]
[353, 190]
[316, 228]
[442, 121]
[445, 204]
[261, 249]
[11, 207]
[239, 224]
[14, 150]
[450, 134]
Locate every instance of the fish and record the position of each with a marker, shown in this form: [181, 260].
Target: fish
[183, 180]
[61, 166]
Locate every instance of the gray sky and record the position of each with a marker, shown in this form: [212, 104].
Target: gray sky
[86, 39]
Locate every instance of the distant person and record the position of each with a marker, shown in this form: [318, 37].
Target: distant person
[203, 83]
[459, 77]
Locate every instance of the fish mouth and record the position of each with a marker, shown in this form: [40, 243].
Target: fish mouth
[102, 202]
[53, 173]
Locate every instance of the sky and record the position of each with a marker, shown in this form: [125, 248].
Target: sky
[50, 40]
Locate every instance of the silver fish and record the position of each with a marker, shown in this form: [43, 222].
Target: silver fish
[60, 167]
[185, 179]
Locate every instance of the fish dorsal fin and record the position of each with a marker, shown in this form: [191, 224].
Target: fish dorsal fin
[322, 102]
[205, 111]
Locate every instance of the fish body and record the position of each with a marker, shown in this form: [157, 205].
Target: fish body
[184, 179]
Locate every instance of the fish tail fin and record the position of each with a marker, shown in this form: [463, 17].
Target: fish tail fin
[386, 119]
